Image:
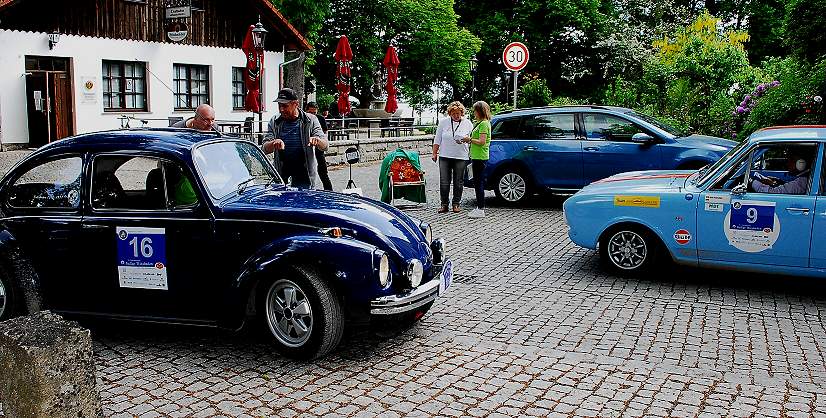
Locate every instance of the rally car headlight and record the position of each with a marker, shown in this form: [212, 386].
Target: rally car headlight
[384, 270]
[415, 272]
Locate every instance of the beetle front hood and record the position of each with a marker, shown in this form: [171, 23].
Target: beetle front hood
[652, 181]
[372, 221]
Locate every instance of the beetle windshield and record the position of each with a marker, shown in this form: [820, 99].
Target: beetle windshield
[232, 166]
[709, 171]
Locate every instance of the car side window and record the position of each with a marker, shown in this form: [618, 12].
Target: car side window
[549, 127]
[140, 183]
[180, 187]
[506, 129]
[782, 169]
[602, 127]
[53, 184]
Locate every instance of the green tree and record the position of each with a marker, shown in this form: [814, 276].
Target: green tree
[691, 72]
[804, 29]
[432, 47]
[307, 16]
[534, 93]
[765, 28]
[562, 35]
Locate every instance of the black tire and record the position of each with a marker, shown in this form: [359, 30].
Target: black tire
[314, 304]
[513, 186]
[630, 249]
[403, 320]
[8, 296]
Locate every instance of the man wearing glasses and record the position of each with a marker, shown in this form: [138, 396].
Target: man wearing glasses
[204, 119]
[295, 135]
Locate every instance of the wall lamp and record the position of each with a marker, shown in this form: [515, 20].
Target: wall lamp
[54, 38]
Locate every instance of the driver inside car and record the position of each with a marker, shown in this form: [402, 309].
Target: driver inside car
[798, 171]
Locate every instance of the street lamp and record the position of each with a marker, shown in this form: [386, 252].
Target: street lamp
[259, 35]
[472, 63]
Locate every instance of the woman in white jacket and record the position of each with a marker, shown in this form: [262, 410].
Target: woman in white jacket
[452, 154]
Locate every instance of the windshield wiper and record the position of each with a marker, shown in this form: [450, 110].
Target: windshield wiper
[243, 185]
[701, 173]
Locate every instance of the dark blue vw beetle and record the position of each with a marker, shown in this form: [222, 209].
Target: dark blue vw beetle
[178, 226]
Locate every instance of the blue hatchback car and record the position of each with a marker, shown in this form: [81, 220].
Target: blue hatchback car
[760, 208]
[179, 226]
[562, 149]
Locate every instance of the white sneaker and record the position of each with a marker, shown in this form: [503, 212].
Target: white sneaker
[476, 213]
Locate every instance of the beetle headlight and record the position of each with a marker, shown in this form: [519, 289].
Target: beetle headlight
[415, 272]
[384, 270]
[428, 232]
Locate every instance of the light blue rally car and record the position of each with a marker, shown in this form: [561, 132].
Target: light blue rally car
[762, 208]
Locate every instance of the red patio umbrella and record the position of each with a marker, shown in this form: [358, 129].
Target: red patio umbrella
[255, 63]
[344, 57]
[391, 62]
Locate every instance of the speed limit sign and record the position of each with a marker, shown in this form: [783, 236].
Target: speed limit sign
[515, 56]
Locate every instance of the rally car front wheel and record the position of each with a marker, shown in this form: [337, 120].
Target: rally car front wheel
[629, 249]
[303, 314]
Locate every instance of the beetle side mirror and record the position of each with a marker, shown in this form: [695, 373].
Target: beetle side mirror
[642, 138]
[739, 190]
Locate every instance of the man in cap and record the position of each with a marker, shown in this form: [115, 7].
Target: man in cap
[204, 119]
[294, 136]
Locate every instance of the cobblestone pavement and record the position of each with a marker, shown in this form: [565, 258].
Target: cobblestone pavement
[531, 327]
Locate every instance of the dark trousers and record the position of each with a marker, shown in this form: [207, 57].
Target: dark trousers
[478, 167]
[451, 169]
[322, 169]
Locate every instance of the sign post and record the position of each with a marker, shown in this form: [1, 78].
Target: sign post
[515, 57]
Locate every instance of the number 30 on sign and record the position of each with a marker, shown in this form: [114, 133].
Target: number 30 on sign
[515, 56]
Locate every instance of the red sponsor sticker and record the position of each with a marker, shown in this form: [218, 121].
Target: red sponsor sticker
[682, 237]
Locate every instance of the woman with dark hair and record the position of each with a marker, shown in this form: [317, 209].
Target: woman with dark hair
[479, 140]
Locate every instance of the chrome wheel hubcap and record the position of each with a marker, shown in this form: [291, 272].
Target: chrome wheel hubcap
[512, 187]
[627, 250]
[289, 314]
[2, 299]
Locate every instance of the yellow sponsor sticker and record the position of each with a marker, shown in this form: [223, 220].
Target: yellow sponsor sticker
[637, 201]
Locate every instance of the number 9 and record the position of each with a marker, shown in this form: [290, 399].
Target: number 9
[751, 215]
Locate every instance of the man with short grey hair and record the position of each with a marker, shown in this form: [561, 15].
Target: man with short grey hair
[204, 120]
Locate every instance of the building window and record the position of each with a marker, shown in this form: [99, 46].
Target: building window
[191, 86]
[239, 89]
[124, 85]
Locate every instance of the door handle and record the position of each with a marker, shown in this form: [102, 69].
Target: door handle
[591, 149]
[530, 148]
[804, 211]
[88, 226]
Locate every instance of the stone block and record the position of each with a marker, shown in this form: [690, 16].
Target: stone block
[47, 368]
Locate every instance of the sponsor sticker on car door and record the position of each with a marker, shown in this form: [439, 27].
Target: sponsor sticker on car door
[142, 258]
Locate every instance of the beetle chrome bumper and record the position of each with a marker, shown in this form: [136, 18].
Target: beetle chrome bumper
[409, 300]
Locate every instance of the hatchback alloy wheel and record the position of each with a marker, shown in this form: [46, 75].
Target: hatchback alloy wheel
[512, 187]
[289, 314]
[627, 250]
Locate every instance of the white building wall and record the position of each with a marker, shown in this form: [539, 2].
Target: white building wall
[86, 55]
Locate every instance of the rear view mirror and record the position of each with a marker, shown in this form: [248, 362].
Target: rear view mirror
[739, 190]
[642, 138]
